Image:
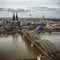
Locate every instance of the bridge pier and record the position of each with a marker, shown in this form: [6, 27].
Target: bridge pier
[23, 36]
[39, 57]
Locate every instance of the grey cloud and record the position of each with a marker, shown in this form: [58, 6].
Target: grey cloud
[17, 3]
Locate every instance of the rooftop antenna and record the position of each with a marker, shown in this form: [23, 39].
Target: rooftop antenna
[30, 15]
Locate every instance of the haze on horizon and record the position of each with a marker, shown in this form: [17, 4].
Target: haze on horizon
[29, 3]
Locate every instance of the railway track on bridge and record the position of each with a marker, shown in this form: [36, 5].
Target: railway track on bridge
[45, 47]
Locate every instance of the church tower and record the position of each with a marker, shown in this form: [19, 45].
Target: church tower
[13, 16]
[16, 16]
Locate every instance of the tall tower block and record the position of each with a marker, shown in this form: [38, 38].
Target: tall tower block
[43, 17]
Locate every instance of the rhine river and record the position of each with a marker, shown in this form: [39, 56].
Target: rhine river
[53, 38]
[14, 47]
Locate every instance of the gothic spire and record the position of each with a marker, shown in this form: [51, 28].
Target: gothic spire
[13, 16]
[16, 16]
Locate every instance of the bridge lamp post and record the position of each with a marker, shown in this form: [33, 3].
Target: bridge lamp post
[23, 36]
[32, 45]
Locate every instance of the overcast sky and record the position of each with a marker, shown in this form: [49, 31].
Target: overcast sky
[29, 3]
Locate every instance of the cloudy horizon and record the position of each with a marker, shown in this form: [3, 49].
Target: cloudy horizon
[29, 3]
[38, 8]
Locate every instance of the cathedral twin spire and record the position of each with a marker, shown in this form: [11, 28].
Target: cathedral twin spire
[15, 17]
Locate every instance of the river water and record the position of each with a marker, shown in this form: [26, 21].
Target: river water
[14, 47]
[53, 38]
